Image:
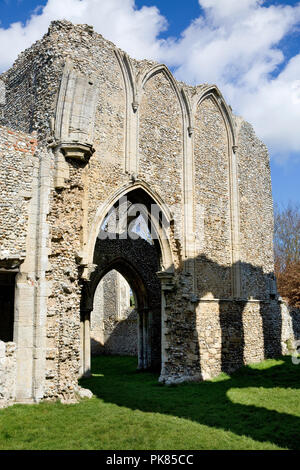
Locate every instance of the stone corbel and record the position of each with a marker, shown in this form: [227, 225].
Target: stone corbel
[167, 280]
[135, 106]
[133, 178]
[11, 263]
[190, 130]
[76, 150]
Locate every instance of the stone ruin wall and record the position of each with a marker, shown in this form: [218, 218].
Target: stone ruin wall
[86, 187]
[212, 199]
[7, 373]
[256, 214]
[32, 87]
[113, 321]
[2, 94]
[194, 323]
[226, 328]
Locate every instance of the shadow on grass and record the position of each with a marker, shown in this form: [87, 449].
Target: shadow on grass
[115, 380]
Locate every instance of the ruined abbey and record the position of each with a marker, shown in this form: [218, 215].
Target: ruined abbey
[95, 145]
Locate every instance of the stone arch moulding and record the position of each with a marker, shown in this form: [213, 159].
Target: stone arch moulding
[148, 307]
[88, 250]
[214, 93]
[125, 268]
[131, 105]
[143, 278]
[189, 111]
[128, 76]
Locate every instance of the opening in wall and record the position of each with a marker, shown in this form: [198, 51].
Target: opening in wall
[7, 300]
[114, 318]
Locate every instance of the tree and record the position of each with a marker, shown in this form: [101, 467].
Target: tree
[287, 252]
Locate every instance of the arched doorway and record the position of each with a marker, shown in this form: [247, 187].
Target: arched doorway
[114, 317]
[130, 241]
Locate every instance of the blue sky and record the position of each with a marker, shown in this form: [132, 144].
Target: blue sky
[249, 48]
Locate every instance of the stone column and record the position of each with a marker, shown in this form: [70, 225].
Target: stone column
[140, 341]
[86, 343]
[145, 341]
[81, 368]
[167, 285]
[23, 337]
[235, 231]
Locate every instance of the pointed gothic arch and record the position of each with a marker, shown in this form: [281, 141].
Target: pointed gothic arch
[214, 93]
[216, 96]
[139, 262]
[144, 77]
[147, 194]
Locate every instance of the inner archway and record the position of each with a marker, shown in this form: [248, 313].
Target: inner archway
[114, 318]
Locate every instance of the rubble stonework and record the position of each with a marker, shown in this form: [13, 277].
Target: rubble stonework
[18, 166]
[83, 126]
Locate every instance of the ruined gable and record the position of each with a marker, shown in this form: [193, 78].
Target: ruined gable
[88, 131]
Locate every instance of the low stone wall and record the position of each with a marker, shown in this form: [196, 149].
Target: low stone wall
[118, 337]
[233, 334]
[7, 373]
[122, 338]
[290, 328]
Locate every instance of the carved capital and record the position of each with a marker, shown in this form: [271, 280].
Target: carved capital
[234, 148]
[88, 269]
[167, 280]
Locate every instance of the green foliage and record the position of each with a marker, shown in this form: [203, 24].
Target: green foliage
[258, 407]
[287, 252]
[132, 301]
[287, 234]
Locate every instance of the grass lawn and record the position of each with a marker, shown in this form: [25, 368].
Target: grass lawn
[258, 407]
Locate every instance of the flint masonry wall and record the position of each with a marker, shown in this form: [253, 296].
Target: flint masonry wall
[135, 126]
[24, 176]
[256, 214]
[18, 161]
[161, 141]
[212, 196]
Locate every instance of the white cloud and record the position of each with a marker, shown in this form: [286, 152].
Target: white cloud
[237, 48]
[235, 44]
[229, 12]
[274, 108]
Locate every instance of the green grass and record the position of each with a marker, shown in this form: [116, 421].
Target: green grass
[258, 407]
